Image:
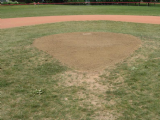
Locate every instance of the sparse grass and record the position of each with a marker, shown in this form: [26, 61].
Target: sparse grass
[135, 87]
[33, 85]
[50, 10]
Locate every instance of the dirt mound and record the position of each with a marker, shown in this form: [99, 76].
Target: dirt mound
[88, 51]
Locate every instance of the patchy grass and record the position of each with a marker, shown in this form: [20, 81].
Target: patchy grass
[135, 86]
[33, 85]
[50, 10]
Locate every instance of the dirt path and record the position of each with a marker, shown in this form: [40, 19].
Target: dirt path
[26, 21]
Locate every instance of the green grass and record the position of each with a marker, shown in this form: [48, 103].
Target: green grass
[50, 10]
[33, 85]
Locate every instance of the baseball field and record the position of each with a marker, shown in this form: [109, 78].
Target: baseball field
[83, 69]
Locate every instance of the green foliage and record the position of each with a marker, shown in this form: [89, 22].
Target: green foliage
[10, 2]
[28, 1]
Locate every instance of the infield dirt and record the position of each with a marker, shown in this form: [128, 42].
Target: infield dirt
[26, 21]
[92, 51]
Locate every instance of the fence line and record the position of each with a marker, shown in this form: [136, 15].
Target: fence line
[83, 3]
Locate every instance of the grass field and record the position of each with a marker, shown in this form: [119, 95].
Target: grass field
[35, 86]
[48, 10]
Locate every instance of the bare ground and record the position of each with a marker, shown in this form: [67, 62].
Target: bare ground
[92, 51]
[26, 21]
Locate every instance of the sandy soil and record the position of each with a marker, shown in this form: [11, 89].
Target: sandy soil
[88, 51]
[26, 21]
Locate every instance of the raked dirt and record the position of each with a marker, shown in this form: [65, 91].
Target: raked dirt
[26, 21]
[92, 51]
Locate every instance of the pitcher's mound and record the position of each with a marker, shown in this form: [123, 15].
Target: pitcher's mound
[88, 51]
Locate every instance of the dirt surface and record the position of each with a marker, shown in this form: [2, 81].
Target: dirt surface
[26, 21]
[88, 51]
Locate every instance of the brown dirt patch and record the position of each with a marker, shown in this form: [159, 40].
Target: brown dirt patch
[26, 21]
[88, 51]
